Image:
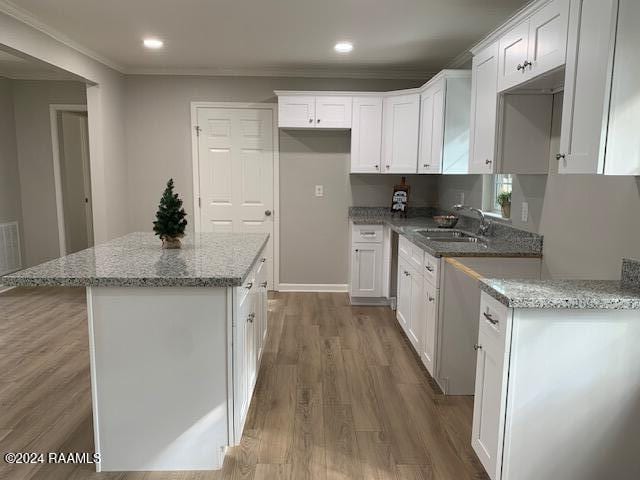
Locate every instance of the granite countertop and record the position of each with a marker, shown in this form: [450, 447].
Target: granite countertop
[623, 294]
[560, 294]
[502, 240]
[137, 260]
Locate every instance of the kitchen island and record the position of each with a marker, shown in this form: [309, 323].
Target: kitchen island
[175, 339]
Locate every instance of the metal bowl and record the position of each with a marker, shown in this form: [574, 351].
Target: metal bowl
[445, 221]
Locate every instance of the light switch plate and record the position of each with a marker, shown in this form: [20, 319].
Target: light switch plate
[525, 211]
[319, 190]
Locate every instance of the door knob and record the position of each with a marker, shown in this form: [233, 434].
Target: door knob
[267, 213]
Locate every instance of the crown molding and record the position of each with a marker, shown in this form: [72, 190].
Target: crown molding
[27, 18]
[315, 72]
[460, 60]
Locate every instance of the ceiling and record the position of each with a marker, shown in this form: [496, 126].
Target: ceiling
[392, 38]
[15, 67]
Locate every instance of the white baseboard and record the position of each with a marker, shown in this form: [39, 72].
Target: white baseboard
[313, 287]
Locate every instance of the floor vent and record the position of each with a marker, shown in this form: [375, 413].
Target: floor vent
[10, 259]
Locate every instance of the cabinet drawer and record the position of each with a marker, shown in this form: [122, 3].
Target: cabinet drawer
[366, 234]
[494, 317]
[431, 269]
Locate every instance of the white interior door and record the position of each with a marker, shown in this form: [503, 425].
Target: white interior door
[236, 169]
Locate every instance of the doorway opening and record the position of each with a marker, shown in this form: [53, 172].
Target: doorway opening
[72, 176]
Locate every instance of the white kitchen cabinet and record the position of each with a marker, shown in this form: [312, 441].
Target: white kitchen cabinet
[366, 270]
[366, 135]
[431, 129]
[296, 111]
[601, 107]
[261, 306]
[484, 103]
[400, 132]
[415, 323]
[333, 112]
[535, 46]
[368, 274]
[308, 110]
[403, 300]
[429, 326]
[491, 378]
[444, 123]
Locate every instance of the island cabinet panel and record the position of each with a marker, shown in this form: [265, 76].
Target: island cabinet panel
[159, 375]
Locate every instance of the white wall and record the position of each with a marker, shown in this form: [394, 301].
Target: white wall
[159, 146]
[35, 159]
[105, 101]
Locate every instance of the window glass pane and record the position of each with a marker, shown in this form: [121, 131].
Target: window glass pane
[503, 183]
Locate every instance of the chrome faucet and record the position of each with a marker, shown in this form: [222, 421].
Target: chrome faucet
[484, 226]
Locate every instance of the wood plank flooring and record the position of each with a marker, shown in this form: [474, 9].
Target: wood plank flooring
[340, 395]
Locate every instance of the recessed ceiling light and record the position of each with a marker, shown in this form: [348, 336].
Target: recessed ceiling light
[343, 47]
[153, 43]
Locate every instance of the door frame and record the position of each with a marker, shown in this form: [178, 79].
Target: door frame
[273, 107]
[54, 109]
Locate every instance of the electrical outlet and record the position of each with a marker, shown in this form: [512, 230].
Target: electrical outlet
[319, 190]
[525, 211]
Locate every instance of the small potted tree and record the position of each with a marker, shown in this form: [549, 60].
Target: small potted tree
[170, 222]
[504, 200]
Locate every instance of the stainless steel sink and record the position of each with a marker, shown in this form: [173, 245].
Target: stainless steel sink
[449, 236]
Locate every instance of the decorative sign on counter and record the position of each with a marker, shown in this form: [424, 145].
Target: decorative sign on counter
[400, 199]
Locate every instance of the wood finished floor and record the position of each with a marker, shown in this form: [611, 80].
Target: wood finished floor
[340, 395]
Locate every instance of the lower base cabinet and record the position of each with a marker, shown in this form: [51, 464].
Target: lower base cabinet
[430, 318]
[250, 329]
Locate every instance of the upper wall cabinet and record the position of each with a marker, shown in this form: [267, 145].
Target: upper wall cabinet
[602, 96]
[306, 110]
[484, 102]
[535, 46]
[444, 123]
[366, 135]
[400, 131]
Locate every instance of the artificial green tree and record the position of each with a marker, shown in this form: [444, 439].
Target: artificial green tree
[170, 220]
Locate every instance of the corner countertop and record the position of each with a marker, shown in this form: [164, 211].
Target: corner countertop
[502, 241]
[563, 294]
[137, 260]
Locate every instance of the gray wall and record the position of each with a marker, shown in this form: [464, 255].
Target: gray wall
[9, 176]
[313, 231]
[589, 222]
[35, 160]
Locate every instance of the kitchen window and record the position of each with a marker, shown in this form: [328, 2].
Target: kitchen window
[494, 185]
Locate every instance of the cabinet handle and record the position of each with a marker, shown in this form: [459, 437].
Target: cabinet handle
[406, 273]
[263, 284]
[377, 167]
[318, 120]
[311, 120]
[249, 285]
[357, 250]
[263, 260]
[520, 67]
[387, 167]
[251, 317]
[425, 165]
[526, 64]
[431, 299]
[492, 320]
[560, 156]
[488, 162]
[429, 268]
[477, 347]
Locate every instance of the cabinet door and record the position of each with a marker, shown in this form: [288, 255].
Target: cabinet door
[586, 99]
[547, 46]
[296, 111]
[333, 112]
[366, 270]
[484, 110]
[241, 397]
[414, 322]
[403, 307]
[400, 122]
[250, 347]
[431, 129]
[429, 318]
[513, 50]
[366, 135]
